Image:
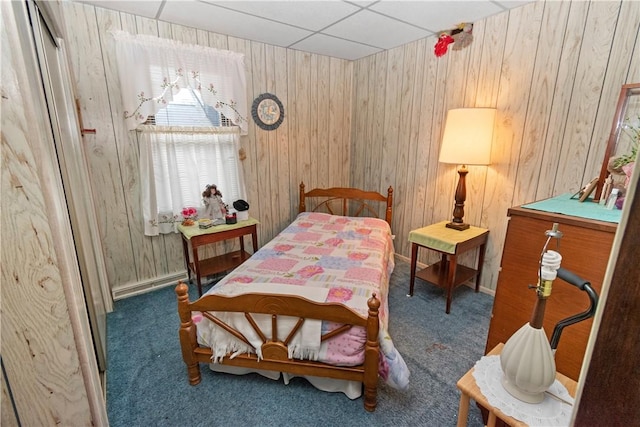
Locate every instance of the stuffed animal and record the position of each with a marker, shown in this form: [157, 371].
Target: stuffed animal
[463, 37]
[620, 173]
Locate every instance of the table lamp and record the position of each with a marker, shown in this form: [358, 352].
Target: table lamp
[528, 358]
[467, 138]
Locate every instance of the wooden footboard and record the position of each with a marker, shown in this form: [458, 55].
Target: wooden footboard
[274, 348]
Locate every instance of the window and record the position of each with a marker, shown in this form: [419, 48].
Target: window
[187, 109]
[185, 147]
[192, 100]
[177, 163]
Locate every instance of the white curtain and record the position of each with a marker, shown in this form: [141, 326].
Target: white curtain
[151, 70]
[177, 163]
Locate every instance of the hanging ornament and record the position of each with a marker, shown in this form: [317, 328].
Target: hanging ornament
[442, 45]
[461, 37]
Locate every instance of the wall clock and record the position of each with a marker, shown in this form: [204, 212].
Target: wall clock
[267, 111]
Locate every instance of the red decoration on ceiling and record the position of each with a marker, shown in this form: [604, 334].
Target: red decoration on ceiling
[461, 37]
[442, 45]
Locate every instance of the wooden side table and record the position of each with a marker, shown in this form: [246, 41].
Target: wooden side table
[470, 390]
[450, 243]
[199, 237]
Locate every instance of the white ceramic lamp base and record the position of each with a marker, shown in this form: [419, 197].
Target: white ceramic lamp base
[528, 364]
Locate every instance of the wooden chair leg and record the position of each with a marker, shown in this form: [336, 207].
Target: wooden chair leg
[463, 410]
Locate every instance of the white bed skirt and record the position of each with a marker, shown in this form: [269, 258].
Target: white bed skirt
[352, 389]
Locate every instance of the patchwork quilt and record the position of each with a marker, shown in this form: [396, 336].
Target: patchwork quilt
[321, 257]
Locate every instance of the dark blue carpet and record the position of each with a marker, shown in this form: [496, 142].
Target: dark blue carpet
[147, 380]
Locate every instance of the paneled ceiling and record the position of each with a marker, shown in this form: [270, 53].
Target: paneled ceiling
[342, 29]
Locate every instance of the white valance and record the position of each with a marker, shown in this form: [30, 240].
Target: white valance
[152, 69]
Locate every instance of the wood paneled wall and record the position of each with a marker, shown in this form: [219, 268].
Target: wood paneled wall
[552, 69]
[312, 144]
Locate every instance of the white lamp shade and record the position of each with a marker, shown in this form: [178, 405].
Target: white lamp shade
[467, 138]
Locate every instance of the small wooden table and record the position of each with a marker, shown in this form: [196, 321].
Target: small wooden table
[450, 243]
[470, 390]
[199, 237]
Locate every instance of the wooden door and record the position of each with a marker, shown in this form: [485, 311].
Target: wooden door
[75, 179]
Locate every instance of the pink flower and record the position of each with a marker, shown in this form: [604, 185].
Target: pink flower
[365, 231]
[334, 241]
[358, 256]
[310, 270]
[283, 247]
[339, 295]
[189, 212]
[306, 224]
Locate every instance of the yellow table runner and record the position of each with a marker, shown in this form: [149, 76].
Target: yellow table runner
[441, 238]
[194, 230]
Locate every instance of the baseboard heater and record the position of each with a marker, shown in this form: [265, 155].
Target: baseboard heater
[131, 289]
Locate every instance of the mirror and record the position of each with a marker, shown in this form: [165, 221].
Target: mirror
[623, 139]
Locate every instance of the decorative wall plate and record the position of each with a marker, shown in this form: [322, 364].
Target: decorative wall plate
[267, 111]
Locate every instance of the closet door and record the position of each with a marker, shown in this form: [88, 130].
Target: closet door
[75, 177]
[50, 373]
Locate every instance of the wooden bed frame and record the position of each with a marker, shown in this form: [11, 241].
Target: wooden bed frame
[357, 197]
[274, 348]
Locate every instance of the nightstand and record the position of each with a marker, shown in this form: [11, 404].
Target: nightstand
[450, 243]
[195, 237]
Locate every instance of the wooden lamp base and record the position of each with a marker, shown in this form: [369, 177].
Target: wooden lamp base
[457, 226]
[461, 194]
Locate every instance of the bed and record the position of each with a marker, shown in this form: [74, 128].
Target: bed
[312, 302]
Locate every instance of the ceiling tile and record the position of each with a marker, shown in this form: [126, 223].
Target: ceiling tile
[331, 46]
[311, 15]
[236, 24]
[359, 28]
[437, 16]
[348, 29]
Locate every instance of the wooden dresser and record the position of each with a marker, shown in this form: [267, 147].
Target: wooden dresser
[585, 248]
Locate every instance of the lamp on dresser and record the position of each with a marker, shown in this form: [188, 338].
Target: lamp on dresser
[467, 138]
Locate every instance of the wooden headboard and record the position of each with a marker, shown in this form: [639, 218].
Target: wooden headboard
[359, 201]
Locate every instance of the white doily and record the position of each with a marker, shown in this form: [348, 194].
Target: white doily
[550, 412]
